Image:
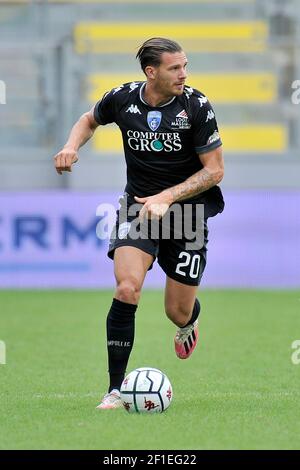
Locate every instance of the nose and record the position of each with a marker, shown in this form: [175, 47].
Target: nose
[182, 74]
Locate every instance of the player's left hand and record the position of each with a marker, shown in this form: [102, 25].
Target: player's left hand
[155, 206]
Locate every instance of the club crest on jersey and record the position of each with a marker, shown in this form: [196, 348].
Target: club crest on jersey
[154, 119]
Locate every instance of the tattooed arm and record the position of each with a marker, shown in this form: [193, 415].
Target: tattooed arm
[210, 175]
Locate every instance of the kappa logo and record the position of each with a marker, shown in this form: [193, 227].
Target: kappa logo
[118, 89]
[188, 91]
[133, 109]
[210, 115]
[202, 100]
[133, 86]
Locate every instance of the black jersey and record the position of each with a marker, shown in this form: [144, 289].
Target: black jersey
[162, 143]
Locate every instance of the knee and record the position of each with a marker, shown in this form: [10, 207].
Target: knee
[128, 291]
[178, 314]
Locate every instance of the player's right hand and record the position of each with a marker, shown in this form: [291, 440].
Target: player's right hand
[64, 160]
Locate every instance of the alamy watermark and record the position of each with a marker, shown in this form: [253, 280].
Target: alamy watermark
[2, 92]
[295, 357]
[295, 98]
[180, 222]
[2, 352]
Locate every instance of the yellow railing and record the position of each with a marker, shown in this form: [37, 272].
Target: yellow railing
[246, 36]
[220, 88]
[264, 138]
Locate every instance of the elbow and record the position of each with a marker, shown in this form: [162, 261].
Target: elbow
[218, 175]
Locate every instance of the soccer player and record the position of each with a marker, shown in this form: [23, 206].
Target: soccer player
[173, 153]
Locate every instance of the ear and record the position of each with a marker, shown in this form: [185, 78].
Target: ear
[150, 71]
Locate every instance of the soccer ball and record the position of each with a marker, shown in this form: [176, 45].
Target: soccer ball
[146, 390]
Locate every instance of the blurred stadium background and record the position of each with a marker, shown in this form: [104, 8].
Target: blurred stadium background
[57, 58]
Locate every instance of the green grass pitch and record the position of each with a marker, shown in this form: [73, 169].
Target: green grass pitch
[239, 390]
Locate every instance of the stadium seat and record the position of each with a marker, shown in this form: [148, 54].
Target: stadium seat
[220, 88]
[221, 36]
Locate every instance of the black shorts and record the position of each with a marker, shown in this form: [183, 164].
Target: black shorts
[181, 256]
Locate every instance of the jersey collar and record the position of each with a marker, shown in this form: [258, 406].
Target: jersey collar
[143, 101]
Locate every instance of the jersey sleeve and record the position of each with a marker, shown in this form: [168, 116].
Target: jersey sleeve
[105, 109]
[206, 135]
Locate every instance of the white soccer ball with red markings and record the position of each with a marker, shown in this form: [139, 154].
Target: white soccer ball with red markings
[146, 390]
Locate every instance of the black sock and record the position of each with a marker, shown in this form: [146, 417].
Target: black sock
[120, 337]
[195, 313]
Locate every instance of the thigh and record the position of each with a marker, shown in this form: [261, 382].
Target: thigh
[131, 263]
